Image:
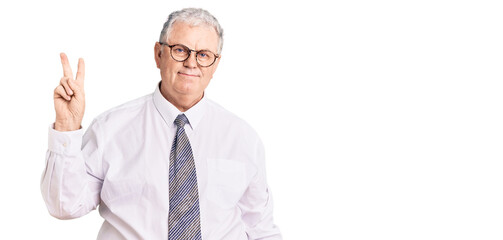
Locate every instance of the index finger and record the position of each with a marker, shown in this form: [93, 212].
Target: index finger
[67, 70]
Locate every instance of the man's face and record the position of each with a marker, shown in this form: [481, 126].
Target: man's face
[186, 81]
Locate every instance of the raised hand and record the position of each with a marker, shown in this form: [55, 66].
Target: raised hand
[69, 99]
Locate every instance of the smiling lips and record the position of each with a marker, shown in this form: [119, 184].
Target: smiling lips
[188, 74]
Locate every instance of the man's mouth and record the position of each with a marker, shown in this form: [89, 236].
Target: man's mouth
[188, 74]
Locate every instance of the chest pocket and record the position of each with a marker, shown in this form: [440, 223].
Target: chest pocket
[226, 182]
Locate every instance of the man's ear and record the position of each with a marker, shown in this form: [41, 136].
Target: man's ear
[157, 54]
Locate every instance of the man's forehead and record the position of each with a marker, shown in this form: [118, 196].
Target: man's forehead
[200, 35]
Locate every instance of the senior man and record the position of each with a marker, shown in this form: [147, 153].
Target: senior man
[169, 165]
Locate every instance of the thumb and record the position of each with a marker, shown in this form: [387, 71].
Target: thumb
[78, 90]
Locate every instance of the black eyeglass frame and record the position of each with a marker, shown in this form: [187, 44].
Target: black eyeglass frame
[190, 53]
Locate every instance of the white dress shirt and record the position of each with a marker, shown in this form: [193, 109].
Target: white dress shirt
[121, 164]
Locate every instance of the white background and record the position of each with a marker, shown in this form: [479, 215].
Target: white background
[381, 119]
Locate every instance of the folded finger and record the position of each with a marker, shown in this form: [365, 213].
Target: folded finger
[65, 83]
[60, 91]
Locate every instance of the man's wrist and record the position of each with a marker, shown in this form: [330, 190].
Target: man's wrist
[65, 126]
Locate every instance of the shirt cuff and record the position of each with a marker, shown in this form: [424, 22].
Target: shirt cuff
[65, 143]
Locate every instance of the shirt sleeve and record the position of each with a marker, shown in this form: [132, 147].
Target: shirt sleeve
[71, 182]
[257, 204]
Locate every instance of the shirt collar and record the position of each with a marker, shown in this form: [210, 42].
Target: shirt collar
[169, 112]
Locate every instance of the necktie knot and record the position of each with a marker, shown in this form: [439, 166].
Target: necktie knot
[181, 120]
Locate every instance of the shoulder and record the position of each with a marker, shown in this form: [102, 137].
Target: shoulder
[230, 122]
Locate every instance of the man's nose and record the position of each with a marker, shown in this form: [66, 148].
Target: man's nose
[191, 62]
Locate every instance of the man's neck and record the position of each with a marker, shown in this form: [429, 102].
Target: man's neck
[182, 102]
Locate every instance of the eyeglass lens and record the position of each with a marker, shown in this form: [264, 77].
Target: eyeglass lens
[182, 53]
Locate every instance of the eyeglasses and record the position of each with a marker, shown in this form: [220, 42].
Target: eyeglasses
[181, 53]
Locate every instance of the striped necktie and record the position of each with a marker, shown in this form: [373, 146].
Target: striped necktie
[183, 195]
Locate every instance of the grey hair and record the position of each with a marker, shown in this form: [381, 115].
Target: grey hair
[194, 17]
